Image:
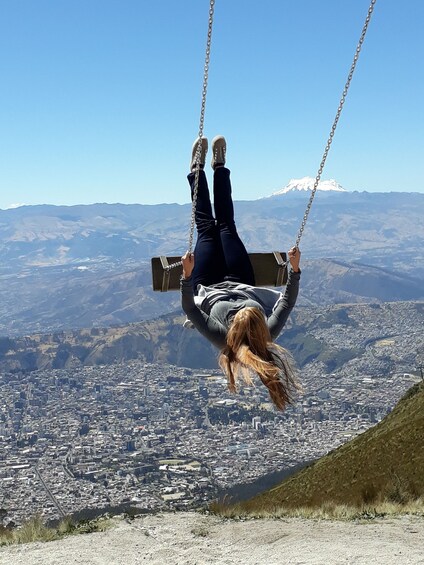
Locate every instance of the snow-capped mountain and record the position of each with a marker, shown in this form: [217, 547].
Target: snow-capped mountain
[307, 183]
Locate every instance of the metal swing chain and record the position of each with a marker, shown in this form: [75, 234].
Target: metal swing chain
[333, 128]
[201, 124]
[200, 136]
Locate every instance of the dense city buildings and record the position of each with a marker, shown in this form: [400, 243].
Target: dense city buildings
[159, 436]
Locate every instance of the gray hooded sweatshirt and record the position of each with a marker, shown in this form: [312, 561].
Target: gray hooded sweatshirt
[212, 310]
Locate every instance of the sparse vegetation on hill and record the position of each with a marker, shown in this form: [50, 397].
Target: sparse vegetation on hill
[327, 511]
[382, 468]
[34, 529]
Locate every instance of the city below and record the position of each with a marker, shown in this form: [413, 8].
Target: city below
[155, 436]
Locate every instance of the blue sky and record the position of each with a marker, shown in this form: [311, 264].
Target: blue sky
[100, 99]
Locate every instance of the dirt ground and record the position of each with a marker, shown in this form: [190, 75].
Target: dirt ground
[191, 538]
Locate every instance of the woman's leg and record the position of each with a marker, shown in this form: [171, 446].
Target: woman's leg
[209, 264]
[239, 267]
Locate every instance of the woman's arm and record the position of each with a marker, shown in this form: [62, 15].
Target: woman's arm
[285, 305]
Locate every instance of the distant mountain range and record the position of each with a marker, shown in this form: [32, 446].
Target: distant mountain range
[374, 228]
[64, 267]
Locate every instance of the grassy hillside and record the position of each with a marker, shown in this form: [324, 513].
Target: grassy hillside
[384, 463]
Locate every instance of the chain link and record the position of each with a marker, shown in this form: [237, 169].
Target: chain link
[200, 135]
[336, 120]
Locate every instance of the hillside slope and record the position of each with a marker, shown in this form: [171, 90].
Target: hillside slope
[385, 462]
[63, 298]
[69, 267]
[331, 336]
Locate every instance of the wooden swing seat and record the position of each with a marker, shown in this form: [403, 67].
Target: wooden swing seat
[270, 270]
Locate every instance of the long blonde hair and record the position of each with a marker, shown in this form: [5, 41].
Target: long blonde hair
[250, 348]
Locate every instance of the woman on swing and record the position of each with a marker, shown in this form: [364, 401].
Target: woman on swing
[218, 292]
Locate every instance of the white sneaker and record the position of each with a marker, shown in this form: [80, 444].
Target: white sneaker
[219, 149]
[194, 153]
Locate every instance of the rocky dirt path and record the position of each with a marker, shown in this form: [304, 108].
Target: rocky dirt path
[196, 539]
